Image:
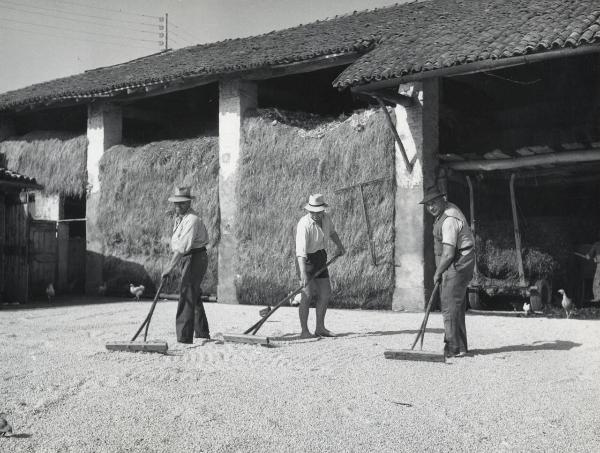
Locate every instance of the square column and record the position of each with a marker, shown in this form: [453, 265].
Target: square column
[418, 128]
[235, 98]
[104, 129]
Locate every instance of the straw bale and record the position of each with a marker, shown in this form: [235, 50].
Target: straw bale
[134, 217]
[281, 164]
[56, 159]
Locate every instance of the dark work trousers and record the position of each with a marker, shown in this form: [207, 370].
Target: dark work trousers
[190, 310]
[454, 304]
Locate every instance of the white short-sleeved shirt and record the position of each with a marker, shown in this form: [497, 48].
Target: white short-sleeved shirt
[189, 233]
[310, 237]
[453, 232]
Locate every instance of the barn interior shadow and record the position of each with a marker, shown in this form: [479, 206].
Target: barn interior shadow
[558, 345]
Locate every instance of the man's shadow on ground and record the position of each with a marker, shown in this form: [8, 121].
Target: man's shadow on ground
[558, 345]
[387, 332]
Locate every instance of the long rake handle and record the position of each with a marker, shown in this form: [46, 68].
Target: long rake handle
[260, 322]
[146, 322]
[421, 333]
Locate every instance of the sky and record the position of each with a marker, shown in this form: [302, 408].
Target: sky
[41, 40]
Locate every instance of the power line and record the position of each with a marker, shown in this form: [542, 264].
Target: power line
[195, 40]
[184, 39]
[160, 27]
[5, 27]
[77, 31]
[79, 14]
[105, 9]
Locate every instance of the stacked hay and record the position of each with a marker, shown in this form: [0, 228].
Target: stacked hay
[281, 164]
[56, 159]
[135, 218]
[547, 249]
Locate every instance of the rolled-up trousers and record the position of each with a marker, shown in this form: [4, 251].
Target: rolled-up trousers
[190, 310]
[454, 304]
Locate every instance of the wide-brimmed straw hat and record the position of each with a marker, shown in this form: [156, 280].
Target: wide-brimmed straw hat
[431, 194]
[316, 203]
[181, 194]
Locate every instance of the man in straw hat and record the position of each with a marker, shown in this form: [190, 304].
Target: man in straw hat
[312, 231]
[454, 248]
[188, 244]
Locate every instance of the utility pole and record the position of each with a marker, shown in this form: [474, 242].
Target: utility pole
[166, 31]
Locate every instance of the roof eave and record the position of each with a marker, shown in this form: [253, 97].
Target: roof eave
[470, 68]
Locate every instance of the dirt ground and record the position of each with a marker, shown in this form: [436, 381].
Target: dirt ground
[531, 384]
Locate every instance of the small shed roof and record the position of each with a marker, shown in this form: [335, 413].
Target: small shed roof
[388, 43]
[13, 180]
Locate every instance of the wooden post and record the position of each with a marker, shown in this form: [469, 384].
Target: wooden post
[409, 165]
[369, 238]
[513, 204]
[473, 225]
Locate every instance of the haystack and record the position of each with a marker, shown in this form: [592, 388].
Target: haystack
[56, 159]
[285, 157]
[548, 244]
[135, 218]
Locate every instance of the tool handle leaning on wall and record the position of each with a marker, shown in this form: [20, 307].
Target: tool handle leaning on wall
[146, 322]
[257, 326]
[421, 333]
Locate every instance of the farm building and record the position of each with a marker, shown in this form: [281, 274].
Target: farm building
[494, 101]
[16, 269]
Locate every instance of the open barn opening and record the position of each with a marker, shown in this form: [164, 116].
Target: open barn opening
[537, 125]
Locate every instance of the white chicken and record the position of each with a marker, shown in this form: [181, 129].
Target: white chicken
[50, 292]
[566, 303]
[137, 291]
[296, 300]
[527, 308]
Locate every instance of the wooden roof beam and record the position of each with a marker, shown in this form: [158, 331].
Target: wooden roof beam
[567, 157]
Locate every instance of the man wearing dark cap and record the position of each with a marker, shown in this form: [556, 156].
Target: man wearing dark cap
[454, 247]
[188, 244]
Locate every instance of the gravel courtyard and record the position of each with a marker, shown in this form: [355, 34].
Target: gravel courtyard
[532, 384]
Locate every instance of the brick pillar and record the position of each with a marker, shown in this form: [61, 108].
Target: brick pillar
[418, 128]
[104, 129]
[235, 98]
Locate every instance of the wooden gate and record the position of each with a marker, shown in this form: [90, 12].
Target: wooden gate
[43, 253]
[16, 251]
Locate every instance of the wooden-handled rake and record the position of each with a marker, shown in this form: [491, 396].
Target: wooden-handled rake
[148, 346]
[411, 354]
[249, 335]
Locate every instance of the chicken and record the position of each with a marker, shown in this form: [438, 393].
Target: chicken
[102, 289]
[566, 303]
[527, 308]
[296, 300]
[5, 427]
[137, 291]
[50, 292]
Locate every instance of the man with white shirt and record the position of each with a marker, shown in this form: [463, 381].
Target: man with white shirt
[312, 231]
[188, 244]
[454, 248]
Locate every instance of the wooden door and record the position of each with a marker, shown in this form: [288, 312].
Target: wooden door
[43, 253]
[16, 266]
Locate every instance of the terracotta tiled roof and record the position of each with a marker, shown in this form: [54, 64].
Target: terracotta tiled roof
[442, 33]
[402, 39]
[14, 177]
